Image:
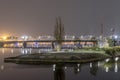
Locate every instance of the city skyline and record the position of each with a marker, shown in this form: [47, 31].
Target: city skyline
[80, 17]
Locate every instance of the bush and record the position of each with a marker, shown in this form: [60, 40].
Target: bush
[112, 51]
[117, 48]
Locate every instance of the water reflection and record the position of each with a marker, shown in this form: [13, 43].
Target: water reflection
[3, 51]
[116, 67]
[98, 63]
[94, 68]
[59, 73]
[25, 51]
[2, 67]
[54, 66]
[90, 65]
[39, 51]
[22, 50]
[106, 68]
[112, 65]
[12, 51]
[77, 68]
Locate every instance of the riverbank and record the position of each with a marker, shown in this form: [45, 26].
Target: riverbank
[56, 57]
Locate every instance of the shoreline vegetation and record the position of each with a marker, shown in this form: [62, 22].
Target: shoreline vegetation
[38, 58]
[76, 56]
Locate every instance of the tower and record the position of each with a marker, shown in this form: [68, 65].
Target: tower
[101, 32]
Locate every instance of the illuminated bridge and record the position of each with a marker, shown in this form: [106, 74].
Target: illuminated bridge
[46, 43]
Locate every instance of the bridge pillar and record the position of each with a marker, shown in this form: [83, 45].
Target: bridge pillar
[24, 44]
[53, 45]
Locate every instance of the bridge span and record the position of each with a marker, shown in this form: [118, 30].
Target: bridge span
[46, 43]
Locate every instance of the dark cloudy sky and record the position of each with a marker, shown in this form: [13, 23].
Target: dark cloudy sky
[80, 17]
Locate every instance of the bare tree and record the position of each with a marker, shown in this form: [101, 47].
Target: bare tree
[59, 33]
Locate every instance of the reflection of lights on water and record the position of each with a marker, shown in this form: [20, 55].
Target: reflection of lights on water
[26, 51]
[98, 64]
[30, 50]
[107, 60]
[2, 67]
[78, 65]
[3, 51]
[22, 51]
[12, 51]
[78, 69]
[39, 51]
[90, 65]
[116, 59]
[65, 67]
[54, 67]
[106, 69]
[116, 67]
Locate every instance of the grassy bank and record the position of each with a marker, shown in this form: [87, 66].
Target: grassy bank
[38, 58]
[76, 56]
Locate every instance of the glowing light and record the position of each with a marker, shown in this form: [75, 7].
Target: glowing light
[107, 60]
[78, 65]
[116, 67]
[115, 36]
[90, 65]
[2, 67]
[3, 51]
[24, 37]
[107, 69]
[12, 51]
[4, 37]
[54, 67]
[78, 69]
[116, 59]
[65, 67]
[98, 64]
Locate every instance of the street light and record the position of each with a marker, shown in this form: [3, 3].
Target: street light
[4, 37]
[115, 37]
[24, 37]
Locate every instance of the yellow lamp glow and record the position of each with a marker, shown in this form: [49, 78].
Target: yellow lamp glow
[4, 37]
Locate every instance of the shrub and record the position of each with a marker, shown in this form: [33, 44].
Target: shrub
[112, 51]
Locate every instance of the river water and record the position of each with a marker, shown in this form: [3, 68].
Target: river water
[90, 71]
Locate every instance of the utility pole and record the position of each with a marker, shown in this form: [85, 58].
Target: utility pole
[101, 32]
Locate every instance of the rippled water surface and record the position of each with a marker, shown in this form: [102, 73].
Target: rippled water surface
[91, 71]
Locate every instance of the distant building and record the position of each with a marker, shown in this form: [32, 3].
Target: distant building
[103, 42]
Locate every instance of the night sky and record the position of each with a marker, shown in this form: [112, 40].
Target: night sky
[80, 17]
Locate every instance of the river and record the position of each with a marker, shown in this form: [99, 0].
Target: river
[90, 71]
